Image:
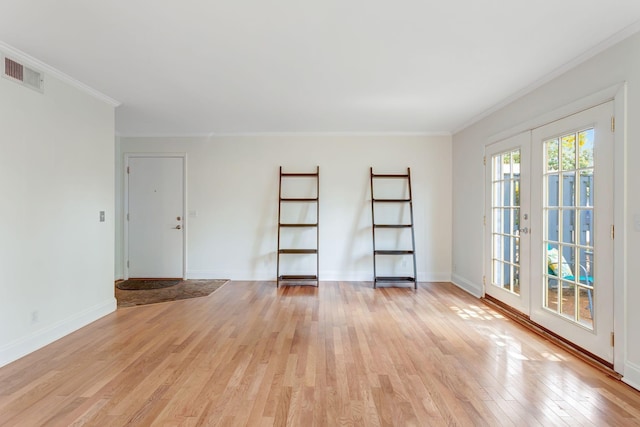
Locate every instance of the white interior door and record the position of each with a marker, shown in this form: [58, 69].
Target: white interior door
[155, 217]
[507, 221]
[572, 220]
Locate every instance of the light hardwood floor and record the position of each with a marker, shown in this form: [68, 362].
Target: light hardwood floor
[340, 354]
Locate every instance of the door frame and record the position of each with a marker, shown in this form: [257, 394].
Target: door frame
[618, 94]
[125, 204]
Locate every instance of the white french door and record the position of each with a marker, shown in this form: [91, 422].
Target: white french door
[507, 220]
[548, 231]
[573, 247]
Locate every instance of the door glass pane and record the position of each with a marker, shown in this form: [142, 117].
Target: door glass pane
[506, 196]
[568, 152]
[505, 220]
[507, 248]
[497, 247]
[586, 188]
[586, 227]
[567, 266]
[515, 193]
[506, 284]
[496, 218]
[552, 153]
[551, 300]
[552, 257]
[568, 222]
[585, 148]
[552, 224]
[568, 189]
[586, 266]
[568, 225]
[498, 273]
[497, 165]
[585, 311]
[516, 280]
[553, 189]
[568, 299]
[498, 192]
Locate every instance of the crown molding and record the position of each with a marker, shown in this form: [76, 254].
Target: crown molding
[280, 134]
[585, 56]
[29, 60]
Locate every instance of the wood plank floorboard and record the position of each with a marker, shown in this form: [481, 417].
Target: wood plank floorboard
[341, 354]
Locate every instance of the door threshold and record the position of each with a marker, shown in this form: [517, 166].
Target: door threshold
[579, 352]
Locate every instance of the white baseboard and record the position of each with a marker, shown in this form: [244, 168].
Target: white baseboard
[434, 277]
[466, 285]
[341, 276]
[328, 275]
[632, 375]
[42, 337]
[367, 276]
[231, 275]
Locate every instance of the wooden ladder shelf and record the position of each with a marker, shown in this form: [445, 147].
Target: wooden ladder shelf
[378, 226]
[299, 227]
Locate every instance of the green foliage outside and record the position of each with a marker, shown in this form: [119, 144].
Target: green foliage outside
[585, 151]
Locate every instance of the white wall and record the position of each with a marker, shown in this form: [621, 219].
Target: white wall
[56, 174]
[233, 185]
[614, 66]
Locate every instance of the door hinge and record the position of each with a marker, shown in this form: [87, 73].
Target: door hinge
[484, 160]
[613, 232]
[127, 264]
[127, 217]
[128, 169]
[613, 124]
[484, 280]
[484, 220]
[613, 339]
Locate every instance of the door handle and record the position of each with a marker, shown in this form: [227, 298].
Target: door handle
[523, 230]
[178, 227]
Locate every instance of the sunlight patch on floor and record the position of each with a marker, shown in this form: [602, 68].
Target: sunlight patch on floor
[552, 357]
[476, 313]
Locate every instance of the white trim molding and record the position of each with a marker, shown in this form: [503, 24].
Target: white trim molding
[282, 134]
[48, 69]
[632, 375]
[45, 336]
[585, 56]
[467, 286]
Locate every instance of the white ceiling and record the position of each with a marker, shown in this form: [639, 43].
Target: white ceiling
[250, 66]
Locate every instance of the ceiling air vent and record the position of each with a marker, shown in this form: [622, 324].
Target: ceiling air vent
[23, 75]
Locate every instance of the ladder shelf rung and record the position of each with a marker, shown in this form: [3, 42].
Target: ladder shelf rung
[393, 252]
[394, 279]
[298, 251]
[389, 175]
[298, 199]
[298, 225]
[299, 175]
[392, 200]
[392, 225]
[298, 277]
